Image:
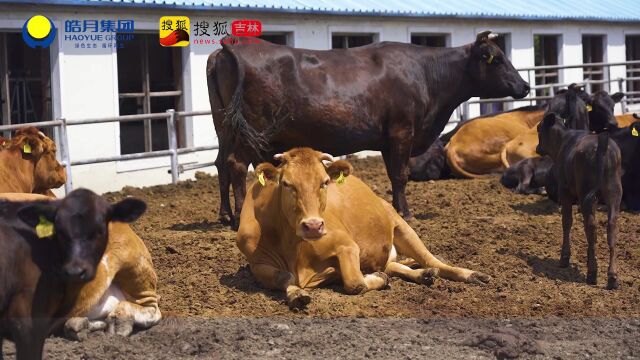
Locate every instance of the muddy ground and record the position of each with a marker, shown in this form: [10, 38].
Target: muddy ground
[476, 224]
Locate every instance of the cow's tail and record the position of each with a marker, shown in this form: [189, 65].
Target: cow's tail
[240, 127]
[601, 151]
[503, 157]
[452, 160]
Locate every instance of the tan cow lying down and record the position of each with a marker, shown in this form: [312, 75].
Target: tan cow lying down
[474, 151]
[122, 294]
[524, 145]
[305, 224]
[28, 163]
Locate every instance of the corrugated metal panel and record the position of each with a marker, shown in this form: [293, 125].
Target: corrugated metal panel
[614, 10]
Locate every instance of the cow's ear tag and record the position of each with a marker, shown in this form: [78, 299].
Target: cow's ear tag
[490, 59]
[341, 179]
[261, 179]
[26, 148]
[634, 132]
[44, 228]
[589, 108]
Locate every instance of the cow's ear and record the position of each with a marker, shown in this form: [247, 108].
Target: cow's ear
[617, 97]
[266, 171]
[338, 170]
[33, 213]
[127, 210]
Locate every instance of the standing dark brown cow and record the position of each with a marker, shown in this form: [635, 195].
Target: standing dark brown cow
[391, 97]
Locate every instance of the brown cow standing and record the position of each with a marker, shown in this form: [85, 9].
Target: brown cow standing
[311, 224]
[391, 97]
[123, 292]
[474, 151]
[28, 164]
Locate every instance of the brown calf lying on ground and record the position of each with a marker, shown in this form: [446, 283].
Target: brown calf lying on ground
[586, 167]
[28, 164]
[49, 250]
[305, 224]
[122, 294]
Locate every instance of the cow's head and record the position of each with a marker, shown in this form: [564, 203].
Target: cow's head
[550, 135]
[493, 74]
[302, 180]
[601, 108]
[37, 148]
[79, 224]
[571, 106]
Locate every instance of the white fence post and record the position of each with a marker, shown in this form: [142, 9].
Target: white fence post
[64, 153]
[173, 145]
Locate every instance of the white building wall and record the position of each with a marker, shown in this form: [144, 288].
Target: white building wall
[85, 83]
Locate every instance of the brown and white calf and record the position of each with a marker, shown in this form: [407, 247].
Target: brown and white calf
[304, 224]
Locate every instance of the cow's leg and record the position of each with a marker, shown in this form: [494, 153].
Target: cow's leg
[567, 222]
[122, 320]
[396, 159]
[224, 181]
[612, 235]
[274, 278]
[408, 243]
[238, 167]
[419, 276]
[589, 219]
[353, 280]
[28, 338]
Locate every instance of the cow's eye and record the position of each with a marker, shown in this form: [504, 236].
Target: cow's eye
[324, 184]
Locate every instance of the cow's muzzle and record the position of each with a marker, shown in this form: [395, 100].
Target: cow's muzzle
[312, 229]
[78, 272]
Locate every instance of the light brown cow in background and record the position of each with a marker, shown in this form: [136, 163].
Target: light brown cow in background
[305, 224]
[474, 151]
[521, 147]
[28, 163]
[122, 294]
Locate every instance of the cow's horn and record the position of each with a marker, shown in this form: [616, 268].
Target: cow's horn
[493, 36]
[483, 36]
[41, 134]
[279, 157]
[326, 157]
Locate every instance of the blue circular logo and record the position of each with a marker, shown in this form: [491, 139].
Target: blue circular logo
[38, 31]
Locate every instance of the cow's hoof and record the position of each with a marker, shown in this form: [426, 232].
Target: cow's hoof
[612, 283]
[299, 299]
[428, 276]
[235, 224]
[225, 219]
[76, 328]
[121, 326]
[592, 279]
[384, 278]
[564, 262]
[477, 277]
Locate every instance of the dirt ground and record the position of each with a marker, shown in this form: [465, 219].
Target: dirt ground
[478, 224]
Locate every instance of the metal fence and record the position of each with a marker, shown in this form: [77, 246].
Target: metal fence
[536, 76]
[172, 117]
[173, 151]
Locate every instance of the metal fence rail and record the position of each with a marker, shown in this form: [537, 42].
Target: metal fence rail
[172, 117]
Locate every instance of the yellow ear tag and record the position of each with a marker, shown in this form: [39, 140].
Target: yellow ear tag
[634, 132]
[589, 108]
[261, 179]
[26, 149]
[44, 228]
[490, 59]
[341, 179]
